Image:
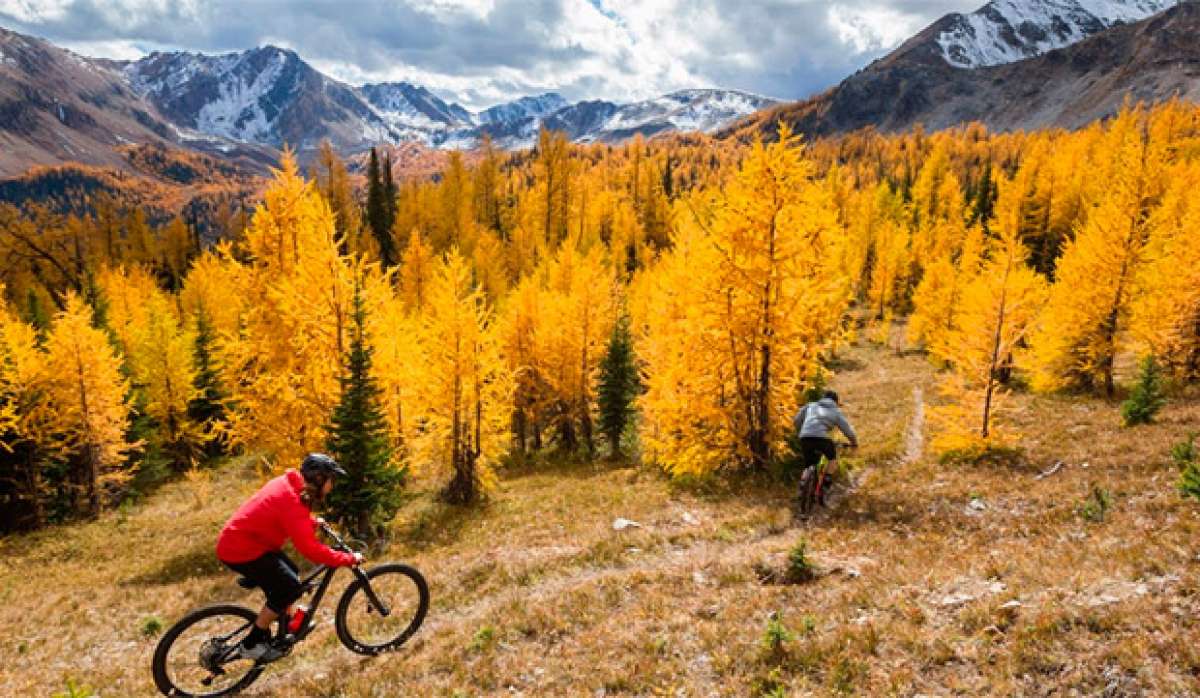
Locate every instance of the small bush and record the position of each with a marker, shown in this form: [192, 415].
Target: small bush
[1096, 506]
[1147, 397]
[1186, 456]
[1185, 451]
[75, 690]
[152, 626]
[769, 686]
[484, 639]
[799, 568]
[775, 639]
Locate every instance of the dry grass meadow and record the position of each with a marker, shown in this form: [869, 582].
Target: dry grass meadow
[931, 579]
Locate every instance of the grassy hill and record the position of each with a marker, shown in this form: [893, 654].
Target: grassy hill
[932, 579]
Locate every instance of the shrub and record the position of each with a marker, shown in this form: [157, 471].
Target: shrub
[775, 639]
[152, 626]
[484, 639]
[1186, 457]
[75, 690]
[1147, 397]
[1096, 505]
[799, 568]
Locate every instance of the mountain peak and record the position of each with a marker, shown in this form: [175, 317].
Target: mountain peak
[531, 107]
[1004, 31]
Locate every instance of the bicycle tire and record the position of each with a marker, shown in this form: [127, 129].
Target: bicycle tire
[808, 490]
[158, 666]
[346, 634]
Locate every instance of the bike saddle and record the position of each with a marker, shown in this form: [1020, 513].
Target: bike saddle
[246, 583]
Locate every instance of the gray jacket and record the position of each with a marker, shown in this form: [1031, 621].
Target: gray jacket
[817, 419]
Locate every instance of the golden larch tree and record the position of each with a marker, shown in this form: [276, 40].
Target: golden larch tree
[161, 363]
[463, 385]
[1165, 315]
[86, 394]
[991, 315]
[755, 306]
[1076, 340]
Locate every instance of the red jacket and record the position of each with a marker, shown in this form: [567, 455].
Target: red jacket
[274, 514]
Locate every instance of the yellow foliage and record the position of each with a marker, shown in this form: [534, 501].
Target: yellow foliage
[86, 394]
[125, 292]
[162, 364]
[22, 376]
[283, 362]
[1075, 343]
[1165, 318]
[416, 271]
[577, 314]
[732, 322]
[393, 333]
[462, 384]
[218, 287]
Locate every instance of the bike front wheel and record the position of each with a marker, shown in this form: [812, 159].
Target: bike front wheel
[197, 657]
[400, 592]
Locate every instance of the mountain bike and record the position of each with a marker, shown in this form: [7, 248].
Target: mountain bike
[378, 612]
[815, 482]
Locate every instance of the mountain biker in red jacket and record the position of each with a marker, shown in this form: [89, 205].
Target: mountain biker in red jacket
[251, 542]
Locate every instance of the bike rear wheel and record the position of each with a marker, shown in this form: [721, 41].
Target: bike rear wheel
[196, 657]
[808, 491]
[360, 624]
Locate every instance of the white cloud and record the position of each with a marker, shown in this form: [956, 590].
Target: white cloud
[871, 28]
[35, 11]
[481, 52]
[119, 49]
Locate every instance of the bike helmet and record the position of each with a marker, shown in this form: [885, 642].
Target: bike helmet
[318, 466]
[832, 396]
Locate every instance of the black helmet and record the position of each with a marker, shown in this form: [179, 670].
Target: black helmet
[832, 396]
[319, 466]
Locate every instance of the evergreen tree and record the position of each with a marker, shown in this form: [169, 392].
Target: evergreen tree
[618, 385]
[208, 407]
[985, 200]
[358, 439]
[389, 192]
[378, 208]
[35, 311]
[1147, 397]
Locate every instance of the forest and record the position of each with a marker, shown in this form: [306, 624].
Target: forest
[670, 301]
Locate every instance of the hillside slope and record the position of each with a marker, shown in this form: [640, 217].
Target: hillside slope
[1152, 60]
[536, 594]
[56, 106]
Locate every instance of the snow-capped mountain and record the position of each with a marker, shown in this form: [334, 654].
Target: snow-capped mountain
[685, 110]
[266, 95]
[521, 109]
[1150, 60]
[415, 113]
[1004, 31]
[271, 96]
[63, 107]
[599, 120]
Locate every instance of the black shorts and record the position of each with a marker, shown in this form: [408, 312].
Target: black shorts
[813, 448]
[276, 575]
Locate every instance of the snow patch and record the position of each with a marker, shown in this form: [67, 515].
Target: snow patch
[1005, 31]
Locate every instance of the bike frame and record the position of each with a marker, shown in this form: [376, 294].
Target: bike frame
[309, 583]
[326, 573]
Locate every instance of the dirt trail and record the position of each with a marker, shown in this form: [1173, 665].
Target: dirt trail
[914, 444]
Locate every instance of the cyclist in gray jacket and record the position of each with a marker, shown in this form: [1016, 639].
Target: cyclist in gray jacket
[814, 422]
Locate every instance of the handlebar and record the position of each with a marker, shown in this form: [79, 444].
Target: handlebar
[338, 542]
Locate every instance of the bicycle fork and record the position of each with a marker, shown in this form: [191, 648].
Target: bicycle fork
[376, 603]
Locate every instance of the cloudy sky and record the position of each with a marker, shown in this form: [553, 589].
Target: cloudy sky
[482, 52]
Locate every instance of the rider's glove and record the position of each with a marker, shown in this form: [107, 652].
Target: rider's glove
[358, 559]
